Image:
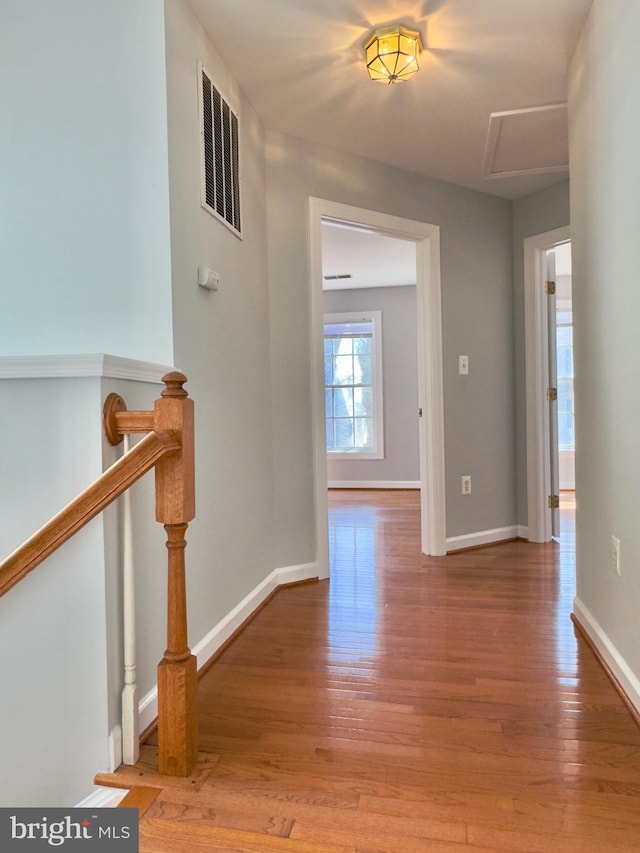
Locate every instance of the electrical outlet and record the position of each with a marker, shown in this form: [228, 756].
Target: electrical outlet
[615, 555]
[466, 484]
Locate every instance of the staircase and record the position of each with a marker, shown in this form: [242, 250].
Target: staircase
[257, 817]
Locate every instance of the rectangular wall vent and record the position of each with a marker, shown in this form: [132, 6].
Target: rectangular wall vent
[220, 155]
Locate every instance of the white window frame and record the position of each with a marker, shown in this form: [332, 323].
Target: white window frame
[375, 318]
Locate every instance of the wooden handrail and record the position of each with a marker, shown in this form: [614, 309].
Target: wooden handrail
[115, 480]
[169, 447]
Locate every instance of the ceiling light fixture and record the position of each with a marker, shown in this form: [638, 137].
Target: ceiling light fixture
[392, 54]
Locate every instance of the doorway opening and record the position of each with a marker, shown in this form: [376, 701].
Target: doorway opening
[370, 358]
[425, 238]
[549, 384]
[564, 371]
[562, 410]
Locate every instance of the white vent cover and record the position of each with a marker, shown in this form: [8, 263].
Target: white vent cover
[220, 155]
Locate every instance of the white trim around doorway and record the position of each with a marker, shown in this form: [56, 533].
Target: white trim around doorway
[430, 374]
[537, 371]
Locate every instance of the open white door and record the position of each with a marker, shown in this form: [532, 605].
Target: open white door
[552, 397]
[541, 369]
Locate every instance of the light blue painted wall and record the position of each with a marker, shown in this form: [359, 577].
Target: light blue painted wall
[604, 130]
[84, 236]
[53, 640]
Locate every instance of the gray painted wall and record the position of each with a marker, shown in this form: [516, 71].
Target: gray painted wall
[477, 296]
[604, 125]
[221, 341]
[400, 383]
[534, 214]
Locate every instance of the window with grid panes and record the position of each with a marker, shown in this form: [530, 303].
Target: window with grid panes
[353, 385]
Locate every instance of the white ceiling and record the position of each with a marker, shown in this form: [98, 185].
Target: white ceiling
[370, 258]
[300, 63]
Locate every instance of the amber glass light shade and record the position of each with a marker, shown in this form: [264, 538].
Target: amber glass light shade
[392, 54]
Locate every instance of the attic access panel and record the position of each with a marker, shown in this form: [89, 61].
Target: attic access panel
[529, 141]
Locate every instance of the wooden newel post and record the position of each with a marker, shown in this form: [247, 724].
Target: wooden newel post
[175, 507]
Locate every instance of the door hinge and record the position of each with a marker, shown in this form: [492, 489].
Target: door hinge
[554, 501]
[552, 394]
[420, 412]
[550, 288]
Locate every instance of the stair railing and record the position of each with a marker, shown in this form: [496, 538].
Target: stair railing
[169, 447]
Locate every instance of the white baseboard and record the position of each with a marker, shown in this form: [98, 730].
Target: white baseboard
[209, 645]
[523, 532]
[484, 537]
[115, 748]
[217, 637]
[620, 669]
[374, 484]
[103, 798]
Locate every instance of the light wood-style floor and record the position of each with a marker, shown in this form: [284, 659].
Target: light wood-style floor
[411, 705]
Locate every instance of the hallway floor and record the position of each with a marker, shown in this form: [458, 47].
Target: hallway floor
[412, 705]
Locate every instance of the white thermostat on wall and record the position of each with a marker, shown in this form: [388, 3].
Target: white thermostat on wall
[208, 279]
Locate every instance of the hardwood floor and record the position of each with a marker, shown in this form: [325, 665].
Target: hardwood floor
[411, 705]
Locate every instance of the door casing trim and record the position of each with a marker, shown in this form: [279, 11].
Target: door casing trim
[430, 373]
[536, 373]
